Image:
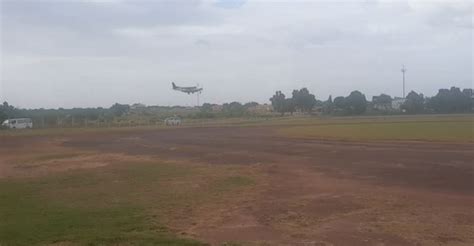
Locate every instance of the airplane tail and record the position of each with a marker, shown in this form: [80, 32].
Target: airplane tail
[174, 86]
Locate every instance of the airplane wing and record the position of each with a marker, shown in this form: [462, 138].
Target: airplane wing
[189, 90]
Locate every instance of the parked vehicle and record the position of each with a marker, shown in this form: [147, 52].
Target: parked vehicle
[20, 123]
[173, 121]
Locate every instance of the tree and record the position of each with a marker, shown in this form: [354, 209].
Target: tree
[383, 102]
[250, 105]
[8, 111]
[206, 107]
[452, 101]
[414, 103]
[205, 111]
[289, 105]
[3, 113]
[468, 100]
[304, 100]
[233, 109]
[467, 92]
[328, 106]
[339, 103]
[355, 103]
[118, 110]
[278, 102]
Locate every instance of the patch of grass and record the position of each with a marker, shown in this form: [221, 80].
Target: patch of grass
[58, 132]
[232, 182]
[140, 183]
[425, 130]
[33, 159]
[27, 218]
[304, 120]
[124, 203]
[101, 207]
[239, 122]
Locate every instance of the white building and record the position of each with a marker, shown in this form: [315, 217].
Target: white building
[397, 103]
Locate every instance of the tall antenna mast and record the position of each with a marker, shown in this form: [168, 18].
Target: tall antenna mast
[403, 72]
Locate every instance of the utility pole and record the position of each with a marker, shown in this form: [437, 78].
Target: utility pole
[403, 72]
[197, 94]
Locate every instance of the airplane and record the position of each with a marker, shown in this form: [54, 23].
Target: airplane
[189, 90]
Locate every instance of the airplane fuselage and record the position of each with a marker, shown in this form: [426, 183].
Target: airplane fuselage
[189, 90]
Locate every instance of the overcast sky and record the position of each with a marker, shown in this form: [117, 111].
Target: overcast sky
[89, 53]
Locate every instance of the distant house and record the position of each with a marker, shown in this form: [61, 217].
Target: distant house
[260, 109]
[397, 103]
[381, 105]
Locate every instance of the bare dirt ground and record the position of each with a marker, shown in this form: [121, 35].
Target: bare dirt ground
[310, 192]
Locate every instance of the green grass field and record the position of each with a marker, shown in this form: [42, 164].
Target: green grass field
[386, 130]
[395, 127]
[127, 204]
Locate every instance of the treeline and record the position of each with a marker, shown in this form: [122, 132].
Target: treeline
[451, 100]
[64, 117]
[127, 115]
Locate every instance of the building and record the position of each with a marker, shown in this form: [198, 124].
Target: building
[397, 103]
[260, 109]
[382, 106]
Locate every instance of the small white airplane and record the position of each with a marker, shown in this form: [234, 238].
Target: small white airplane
[189, 90]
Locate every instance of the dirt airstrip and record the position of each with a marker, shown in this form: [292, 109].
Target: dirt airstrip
[309, 191]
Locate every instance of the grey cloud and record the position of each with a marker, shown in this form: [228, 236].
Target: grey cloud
[460, 16]
[80, 28]
[202, 42]
[129, 51]
[230, 4]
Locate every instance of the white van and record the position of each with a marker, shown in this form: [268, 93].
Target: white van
[173, 121]
[20, 123]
